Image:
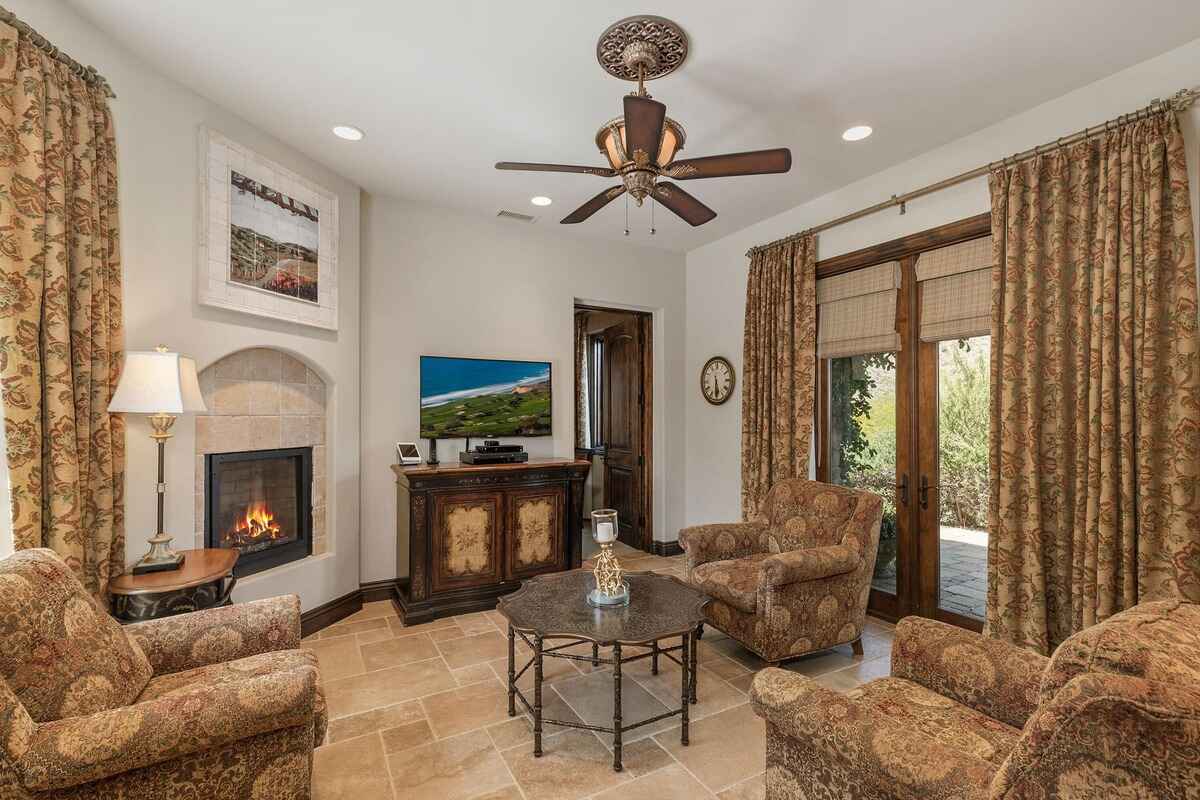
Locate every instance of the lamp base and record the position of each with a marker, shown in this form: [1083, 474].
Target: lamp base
[160, 556]
[144, 566]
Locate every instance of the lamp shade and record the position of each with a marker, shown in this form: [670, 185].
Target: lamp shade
[157, 382]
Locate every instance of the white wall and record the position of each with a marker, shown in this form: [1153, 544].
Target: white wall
[439, 283]
[156, 126]
[716, 273]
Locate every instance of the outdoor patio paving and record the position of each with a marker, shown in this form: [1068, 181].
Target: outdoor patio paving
[964, 577]
[963, 572]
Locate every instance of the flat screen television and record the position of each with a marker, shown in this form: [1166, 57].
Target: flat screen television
[480, 397]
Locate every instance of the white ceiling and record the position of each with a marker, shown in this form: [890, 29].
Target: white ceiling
[445, 89]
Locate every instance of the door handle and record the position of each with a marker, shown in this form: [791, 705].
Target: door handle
[925, 487]
[904, 489]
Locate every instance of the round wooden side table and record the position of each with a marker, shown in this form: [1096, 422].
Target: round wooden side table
[204, 581]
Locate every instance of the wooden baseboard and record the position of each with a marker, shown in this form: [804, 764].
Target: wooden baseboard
[378, 590]
[325, 615]
[337, 610]
[666, 548]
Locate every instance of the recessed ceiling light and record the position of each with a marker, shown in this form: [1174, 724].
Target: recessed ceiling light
[856, 133]
[541, 200]
[347, 132]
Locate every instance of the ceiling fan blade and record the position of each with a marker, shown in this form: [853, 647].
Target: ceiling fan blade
[643, 128]
[757, 162]
[691, 210]
[592, 206]
[603, 172]
[688, 208]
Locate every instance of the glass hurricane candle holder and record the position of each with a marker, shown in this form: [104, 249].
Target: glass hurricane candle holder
[609, 589]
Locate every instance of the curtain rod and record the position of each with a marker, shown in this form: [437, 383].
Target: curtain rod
[90, 75]
[1176, 102]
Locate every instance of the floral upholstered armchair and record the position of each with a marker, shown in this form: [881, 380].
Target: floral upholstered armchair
[796, 577]
[217, 704]
[1113, 713]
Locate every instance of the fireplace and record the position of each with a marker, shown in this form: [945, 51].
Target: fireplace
[260, 502]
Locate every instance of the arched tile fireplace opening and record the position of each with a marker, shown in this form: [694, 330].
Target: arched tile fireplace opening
[260, 459]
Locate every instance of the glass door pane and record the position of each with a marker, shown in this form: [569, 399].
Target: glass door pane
[962, 492]
[862, 446]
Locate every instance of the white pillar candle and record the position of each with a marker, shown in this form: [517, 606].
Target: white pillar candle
[604, 532]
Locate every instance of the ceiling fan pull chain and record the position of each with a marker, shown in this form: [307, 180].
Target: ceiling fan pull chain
[652, 231]
[626, 214]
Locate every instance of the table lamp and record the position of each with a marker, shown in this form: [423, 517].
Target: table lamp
[163, 385]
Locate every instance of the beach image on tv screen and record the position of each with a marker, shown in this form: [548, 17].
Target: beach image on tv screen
[483, 397]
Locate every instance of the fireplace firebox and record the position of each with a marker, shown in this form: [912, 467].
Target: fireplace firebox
[260, 503]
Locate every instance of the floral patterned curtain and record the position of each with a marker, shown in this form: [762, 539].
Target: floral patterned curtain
[778, 367]
[581, 380]
[60, 311]
[1095, 418]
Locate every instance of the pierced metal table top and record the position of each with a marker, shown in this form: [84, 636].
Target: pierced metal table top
[556, 606]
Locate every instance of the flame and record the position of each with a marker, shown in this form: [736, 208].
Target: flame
[258, 523]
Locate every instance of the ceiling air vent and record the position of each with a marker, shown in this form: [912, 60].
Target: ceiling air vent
[514, 216]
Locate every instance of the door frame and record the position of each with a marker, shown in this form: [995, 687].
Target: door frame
[917, 582]
[646, 323]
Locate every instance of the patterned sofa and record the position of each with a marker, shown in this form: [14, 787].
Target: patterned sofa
[796, 577]
[217, 704]
[1113, 714]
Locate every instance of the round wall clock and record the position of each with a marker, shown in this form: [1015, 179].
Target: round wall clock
[717, 380]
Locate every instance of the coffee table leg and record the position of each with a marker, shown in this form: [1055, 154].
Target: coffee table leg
[685, 687]
[512, 672]
[654, 657]
[692, 650]
[537, 697]
[617, 766]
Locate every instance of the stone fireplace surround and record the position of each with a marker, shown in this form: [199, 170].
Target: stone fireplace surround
[260, 399]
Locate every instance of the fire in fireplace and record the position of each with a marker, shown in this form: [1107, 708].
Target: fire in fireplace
[253, 531]
[260, 502]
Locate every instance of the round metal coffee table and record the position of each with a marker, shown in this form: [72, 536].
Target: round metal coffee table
[554, 607]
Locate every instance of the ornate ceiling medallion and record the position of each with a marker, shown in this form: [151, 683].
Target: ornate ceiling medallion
[642, 42]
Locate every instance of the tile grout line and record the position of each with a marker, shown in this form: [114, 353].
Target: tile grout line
[387, 763]
[507, 768]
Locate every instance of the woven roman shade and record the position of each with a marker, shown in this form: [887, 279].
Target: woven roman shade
[956, 290]
[857, 312]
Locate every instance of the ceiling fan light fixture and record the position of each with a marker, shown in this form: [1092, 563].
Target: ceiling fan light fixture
[348, 132]
[541, 200]
[673, 138]
[857, 133]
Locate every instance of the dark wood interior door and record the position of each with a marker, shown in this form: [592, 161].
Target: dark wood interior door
[621, 425]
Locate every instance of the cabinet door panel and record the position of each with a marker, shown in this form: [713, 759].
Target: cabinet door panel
[466, 539]
[535, 530]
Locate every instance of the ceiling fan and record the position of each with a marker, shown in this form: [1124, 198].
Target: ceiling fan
[642, 144]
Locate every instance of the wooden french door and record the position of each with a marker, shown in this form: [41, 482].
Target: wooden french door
[621, 426]
[951, 474]
[889, 422]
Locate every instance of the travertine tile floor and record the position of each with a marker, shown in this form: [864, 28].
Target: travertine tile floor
[421, 712]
